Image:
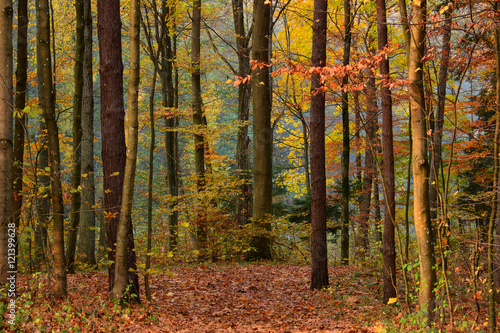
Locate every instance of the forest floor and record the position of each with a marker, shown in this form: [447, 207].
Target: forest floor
[226, 298]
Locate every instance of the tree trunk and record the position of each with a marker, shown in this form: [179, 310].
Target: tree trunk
[420, 162]
[388, 150]
[170, 135]
[437, 131]
[243, 203]
[113, 132]
[49, 110]
[319, 254]
[20, 118]
[77, 139]
[120, 291]
[152, 144]
[262, 132]
[496, 181]
[87, 212]
[199, 144]
[7, 253]
[370, 169]
[344, 240]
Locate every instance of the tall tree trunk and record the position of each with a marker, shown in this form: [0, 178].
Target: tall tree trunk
[370, 169]
[87, 212]
[199, 144]
[344, 238]
[319, 255]
[113, 132]
[243, 204]
[420, 161]
[388, 150]
[152, 144]
[6, 151]
[77, 139]
[49, 110]
[171, 133]
[119, 291]
[437, 124]
[262, 132]
[496, 181]
[20, 118]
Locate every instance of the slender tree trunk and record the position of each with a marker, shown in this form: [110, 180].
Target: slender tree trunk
[54, 152]
[152, 144]
[20, 118]
[357, 137]
[305, 138]
[437, 131]
[87, 212]
[77, 139]
[113, 131]
[119, 291]
[346, 150]
[262, 132]
[171, 138]
[319, 255]
[388, 149]
[496, 181]
[243, 209]
[199, 143]
[6, 150]
[420, 162]
[370, 169]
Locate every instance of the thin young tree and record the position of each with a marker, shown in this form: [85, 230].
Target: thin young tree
[199, 141]
[421, 208]
[20, 103]
[77, 139]
[388, 150]
[319, 256]
[49, 112]
[494, 217]
[6, 129]
[262, 132]
[119, 291]
[346, 150]
[87, 211]
[243, 204]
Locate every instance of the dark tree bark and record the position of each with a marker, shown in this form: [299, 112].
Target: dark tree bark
[163, 58]
[262, 132]
[77, 139]
[20, 118]
[120, 291]
[319, 255]
[388, 150]
[171, 142]
[6, 149]
[87, 212]
[152, 143]
[344, 238]
[370, 169]
[199, 140]
[113, 131]
[49, 110]
[243, 204]
[496, 181]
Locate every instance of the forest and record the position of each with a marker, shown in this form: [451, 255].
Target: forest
[243, 166]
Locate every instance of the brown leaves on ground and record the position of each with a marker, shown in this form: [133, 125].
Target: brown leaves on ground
[214, 298]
